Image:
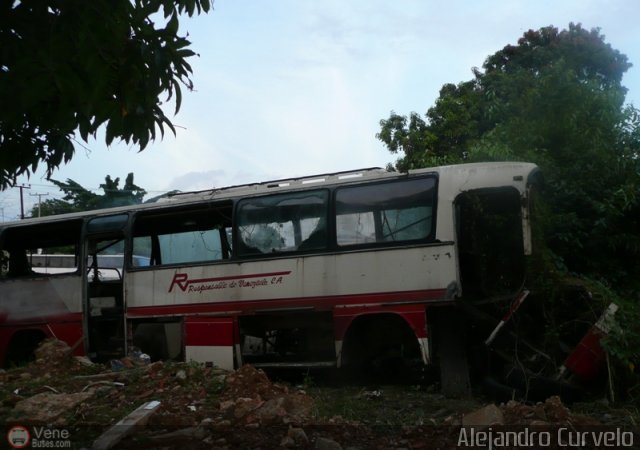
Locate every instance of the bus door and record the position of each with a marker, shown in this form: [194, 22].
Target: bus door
[104, 303]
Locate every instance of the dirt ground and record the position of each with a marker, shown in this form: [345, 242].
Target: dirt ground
[183, 406]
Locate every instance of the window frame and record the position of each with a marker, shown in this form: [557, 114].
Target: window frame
[328, 238]
[219, 208]
[29, 235]
[429, 238]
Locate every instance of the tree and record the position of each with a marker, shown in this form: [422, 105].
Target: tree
[68, 67]
[555, 99]
[78, 198]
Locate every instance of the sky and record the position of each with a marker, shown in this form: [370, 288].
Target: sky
[290, 88]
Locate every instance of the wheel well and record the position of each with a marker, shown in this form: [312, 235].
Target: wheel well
[22, 346]
[373, 339]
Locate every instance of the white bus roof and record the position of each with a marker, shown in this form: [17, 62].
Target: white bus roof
[454, 178]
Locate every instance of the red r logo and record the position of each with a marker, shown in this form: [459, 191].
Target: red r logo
[181, 279]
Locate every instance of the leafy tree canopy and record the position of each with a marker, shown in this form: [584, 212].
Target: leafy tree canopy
[78, 198]
[555, 99]
[68, 67]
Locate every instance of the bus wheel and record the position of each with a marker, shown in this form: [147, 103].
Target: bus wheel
[381, 347]
[22, 347]
[451, 352]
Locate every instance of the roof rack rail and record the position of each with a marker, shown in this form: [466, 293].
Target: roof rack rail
[284, 182]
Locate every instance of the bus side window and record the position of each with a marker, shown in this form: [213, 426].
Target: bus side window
[383, 213]
[279, 223]
[182, 236]
[41, 250]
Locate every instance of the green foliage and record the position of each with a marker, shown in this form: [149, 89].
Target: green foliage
[555, 99]
[78, 198]
[67, 68]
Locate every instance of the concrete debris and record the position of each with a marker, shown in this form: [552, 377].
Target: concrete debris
[483, 418]
[47, 407]
[298, 436]
[262, 402]
[327, 444]
[126, 426]
[205, 407]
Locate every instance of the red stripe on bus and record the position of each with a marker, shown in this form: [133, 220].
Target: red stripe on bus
[325, 303]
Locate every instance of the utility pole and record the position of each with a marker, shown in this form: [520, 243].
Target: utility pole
[22, 187]
[39, 201]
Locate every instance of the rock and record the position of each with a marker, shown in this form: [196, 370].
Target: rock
[244, 406]
[287, 442]
[271, 411]
[327, 444]
[484, 418]
[539, 412]
[538, 423]
[181, 375]
[226, 404]
[83, 361]
[222, 425]
[298, 435]
[47, 407]
[555, 410]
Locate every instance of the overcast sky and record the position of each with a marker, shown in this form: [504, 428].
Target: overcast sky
[298, 87]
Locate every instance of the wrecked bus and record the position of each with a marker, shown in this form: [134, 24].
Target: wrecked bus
[350, 269]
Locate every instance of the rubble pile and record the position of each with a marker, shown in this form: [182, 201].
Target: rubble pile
[205, 407]
[249, 397]
[550, 412]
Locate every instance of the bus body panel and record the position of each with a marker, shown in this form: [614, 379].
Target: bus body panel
[46, 307]
[323, 281]
[36, 299]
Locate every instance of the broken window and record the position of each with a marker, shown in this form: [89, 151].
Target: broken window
[182, 236]
[490, 242]
[41, 250]
[283, 223]
[399, 211]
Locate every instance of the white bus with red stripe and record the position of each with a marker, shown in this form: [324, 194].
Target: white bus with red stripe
[338, 269]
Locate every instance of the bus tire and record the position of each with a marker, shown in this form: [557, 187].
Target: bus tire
[451, 351]
[381, 346]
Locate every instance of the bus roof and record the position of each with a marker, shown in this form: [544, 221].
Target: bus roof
[469, 176]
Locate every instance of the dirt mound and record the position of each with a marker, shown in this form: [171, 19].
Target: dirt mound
[552, 411]
[248, 381]
[250, 397]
